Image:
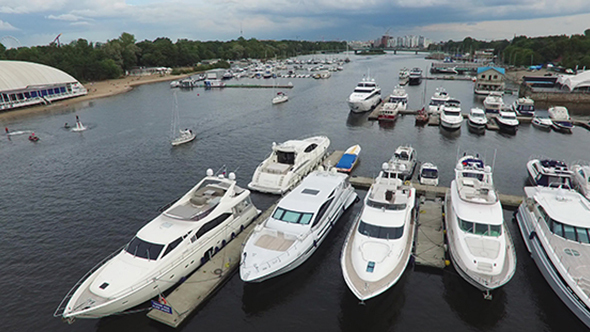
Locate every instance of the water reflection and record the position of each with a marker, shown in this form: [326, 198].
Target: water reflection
[449, 135]
[356, 119]
[387, 125]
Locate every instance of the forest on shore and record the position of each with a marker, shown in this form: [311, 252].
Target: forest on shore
[564, 51]
[88, 61]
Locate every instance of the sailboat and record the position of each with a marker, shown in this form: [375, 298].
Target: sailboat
[422, 115]
[186, 135]
[79, 126]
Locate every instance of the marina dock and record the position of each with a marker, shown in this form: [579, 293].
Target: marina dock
[246, 86]
[429, 241]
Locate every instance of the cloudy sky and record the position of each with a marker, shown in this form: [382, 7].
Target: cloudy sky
[38, 22]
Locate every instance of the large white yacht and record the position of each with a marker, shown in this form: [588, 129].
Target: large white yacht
[438, 99]
[168, 248]
[581, 177]
[549, 172]
[365, 96]
[297, 226]
[480, 245]
[451, 117]
[555, 226]
[399, 96]
[379, 244]
[404, 160]
[507, 121]
[493, 103]
[288, 163]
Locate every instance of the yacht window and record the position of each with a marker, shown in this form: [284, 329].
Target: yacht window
[171, 246]
[286, 157]
[495, 230]
[322, 211]
[582, 235]
[429, 173]
[370, 267]
[140, 248]
[292, 216]
[380, 232]
[478, 176]
[311, 147]
[212, 224]
[466, 226]
[569, 232]
[481, 229]
[386, 206]
[556, 228]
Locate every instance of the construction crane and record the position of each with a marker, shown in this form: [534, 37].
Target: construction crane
[56, 41]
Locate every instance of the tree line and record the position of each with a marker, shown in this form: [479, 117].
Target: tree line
[88, 61]
[565, 51]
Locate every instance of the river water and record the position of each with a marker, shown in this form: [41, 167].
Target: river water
[71, 199]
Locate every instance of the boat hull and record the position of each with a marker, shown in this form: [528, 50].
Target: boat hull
[360, 106]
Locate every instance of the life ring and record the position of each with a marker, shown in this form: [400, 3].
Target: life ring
[407, 182]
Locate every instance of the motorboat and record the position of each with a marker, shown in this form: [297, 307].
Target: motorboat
[549, 172]
[439, 98]
[289, 163]
[581, 178]
[480, 245]
[186, 135]
[404, 73]
[366, 95]
[399, 96]
[560, 119]
[541, 121]
[404, 161]
[428, 174]
[554, 224]
[415, 77]
[524, 106]
[280, 98]
[379, 244]
[422, 117]
[450, 115]
[389, 112]
[493, 103]
[349, 159]
[507, 121]
[33, 137]
[164, 251]
[477, 119]
[298, 225]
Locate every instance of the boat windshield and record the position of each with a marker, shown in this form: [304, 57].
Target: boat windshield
[380, 232]
[286, 157]
[386, 205]
[554, 180]
[140, 248]
[437, 102]
[569, 232]
[293, 217]
[402, 155]
[451, 112]
[429, 173]
[479, 228]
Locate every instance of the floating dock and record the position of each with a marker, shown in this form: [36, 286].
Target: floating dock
[429, 241]
[246, 86]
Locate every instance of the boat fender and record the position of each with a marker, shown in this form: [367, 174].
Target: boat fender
[532, 235]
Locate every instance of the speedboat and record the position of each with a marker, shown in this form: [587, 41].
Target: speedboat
[477, 119]
[349, 159]
[480, 245]
[428, 174]
[493, 103]
[549, 172]
[167, 249]
[280, 98]
[439, 98]
[297, 226]
[541, 121]
[389, 112]
[507, 121]
[404, 73]
[288, 163]
[524, 106]
[415, 77]
[365, 96]
[450, 116]
[33, 137]
[399, 96]
[554, 224]
[379, 244]
[186, 135]
[404, 160]
[560, 119]
[581, 178]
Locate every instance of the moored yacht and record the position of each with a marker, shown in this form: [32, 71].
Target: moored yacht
[541, 121]
[288, 163]
[524, 106]
[297, 226]
[507, 121]
[428, 174]
[398, 96]
[379, 245]
[451, 117]
[168, 248]
[549, 172]
[365, 96]
[439, 98]
[415, 77]
[477, 119]
[581, 177]
[404, 161]
[480, 245]
[555, 226]
[493, 103]
[560, 119]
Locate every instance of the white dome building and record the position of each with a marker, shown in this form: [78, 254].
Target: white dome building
[580, 82]
[26, 84]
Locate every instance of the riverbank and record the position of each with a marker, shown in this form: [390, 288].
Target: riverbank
[96, 90]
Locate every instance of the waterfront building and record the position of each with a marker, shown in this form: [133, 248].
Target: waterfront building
[490, 79]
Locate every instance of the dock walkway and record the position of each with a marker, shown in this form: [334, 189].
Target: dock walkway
[429, 242]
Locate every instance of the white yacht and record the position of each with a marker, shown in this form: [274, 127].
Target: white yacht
[415, 77]
[549, 172]
[542, 121]
[555, 225]
[439, 98]
[581, 178]
[493, 103]
[379, 244]
[288, 163]
[560, 119]
[451, 117]
[477, 119]
[507, 121]
[404, 74]
[428, 174]
[280, 98]
[185, 136]
[399, 97]
[524, 106]
[365, 96]
[168, 248]
[297, 226]
[480, 245]
[404, 161]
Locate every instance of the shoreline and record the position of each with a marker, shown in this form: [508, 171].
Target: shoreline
[96, 90]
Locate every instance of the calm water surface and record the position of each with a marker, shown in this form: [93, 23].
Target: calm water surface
[73, 198]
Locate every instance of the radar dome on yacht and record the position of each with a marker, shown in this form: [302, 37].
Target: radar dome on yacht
[402, 167]
[321, 168]
[209, 172]
[385, 166]
[487, 168]
[232, 176]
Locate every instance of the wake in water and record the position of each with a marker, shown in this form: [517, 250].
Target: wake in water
[79, 126]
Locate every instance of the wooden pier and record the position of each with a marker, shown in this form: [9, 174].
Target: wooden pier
[246, 86]
[429, 241]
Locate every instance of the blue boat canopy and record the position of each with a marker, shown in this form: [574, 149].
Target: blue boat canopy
[346, 161]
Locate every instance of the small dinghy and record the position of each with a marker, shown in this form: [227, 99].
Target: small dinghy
[349, 159]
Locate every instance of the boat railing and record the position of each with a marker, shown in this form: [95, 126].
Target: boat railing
[62, 305]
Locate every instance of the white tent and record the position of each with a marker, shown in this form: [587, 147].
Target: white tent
[576, 82]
